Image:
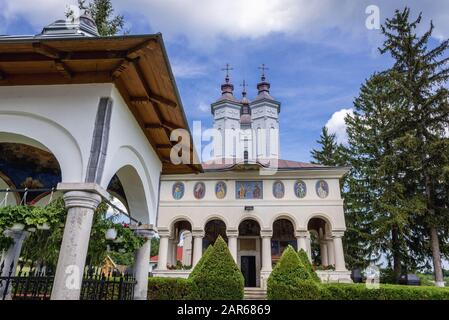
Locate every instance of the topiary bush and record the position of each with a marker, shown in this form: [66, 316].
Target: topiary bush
[200, 263]
[218, 277]
[290, 280]
[171, 289]
[306, 263]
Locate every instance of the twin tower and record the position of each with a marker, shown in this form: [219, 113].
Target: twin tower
[247, 130]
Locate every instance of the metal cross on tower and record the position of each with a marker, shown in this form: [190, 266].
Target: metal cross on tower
[263, 68]
[227, 68]
[244, 85]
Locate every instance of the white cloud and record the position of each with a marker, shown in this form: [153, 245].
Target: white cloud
[204, 107]
[187, 69]
[205, 22]
[336, 124]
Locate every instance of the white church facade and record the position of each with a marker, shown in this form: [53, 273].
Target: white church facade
[256, 201]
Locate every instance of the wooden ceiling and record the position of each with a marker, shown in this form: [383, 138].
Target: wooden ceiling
[137, 65]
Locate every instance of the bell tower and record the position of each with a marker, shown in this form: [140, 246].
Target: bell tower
[265, 120]
[226, 112]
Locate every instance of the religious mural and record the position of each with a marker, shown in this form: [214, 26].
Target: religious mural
[322, 189]
[199, 190]
[178, 190]
[300, 189]
[278, 189]
[248, 189]
[220, 189]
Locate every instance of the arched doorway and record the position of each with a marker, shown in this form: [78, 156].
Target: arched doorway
[321, 245]
[212, 230]
[283, 236]
[180, 246]
[249, 252]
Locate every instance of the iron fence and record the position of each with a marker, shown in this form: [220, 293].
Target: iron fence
[35, 283]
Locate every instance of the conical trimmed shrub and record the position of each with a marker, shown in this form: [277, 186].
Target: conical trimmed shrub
[219, 277]
[200, 263]
[306, 263]
[290, 280]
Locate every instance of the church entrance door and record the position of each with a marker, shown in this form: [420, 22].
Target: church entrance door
[248, 267]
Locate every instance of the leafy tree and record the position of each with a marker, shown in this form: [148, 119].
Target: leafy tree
[102, 12]
[420, 74]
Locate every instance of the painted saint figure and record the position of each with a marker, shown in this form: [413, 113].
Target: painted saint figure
[220, 190]
[199, 190]
[300, 189]
[278, 189]
[322, 189]
[178, 190]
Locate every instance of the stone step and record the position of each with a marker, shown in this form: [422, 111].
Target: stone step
[255, 294]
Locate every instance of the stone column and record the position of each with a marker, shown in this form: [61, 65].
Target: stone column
[232, 242]
[338, 251]
[170, 252]
[142, 262]
[330, 251]
[308, 246]
[301, 239]
[163, 249]
[324, 254]
[198, 236]
[11, 258]
[266, 250]
[75, 241]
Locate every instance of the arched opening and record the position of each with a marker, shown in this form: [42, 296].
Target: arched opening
[212, 230]
[126, 185]
[180, 246]
[283, 236]
[321, 244]
[249, 252]
[27, 167]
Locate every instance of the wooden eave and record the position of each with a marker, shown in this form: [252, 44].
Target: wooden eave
[138, 66]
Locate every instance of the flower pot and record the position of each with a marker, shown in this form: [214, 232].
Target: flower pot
[17, 227]
[43, 226]
[111, 234]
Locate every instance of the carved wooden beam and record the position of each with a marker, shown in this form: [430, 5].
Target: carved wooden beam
[134, 52]
[63, 69]
[46, 50]
[151, 95]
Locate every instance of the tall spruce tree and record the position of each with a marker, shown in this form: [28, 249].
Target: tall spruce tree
[420, 74]
[376, 197]
[330, 153]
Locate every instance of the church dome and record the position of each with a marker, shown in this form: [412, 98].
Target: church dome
[245, 119]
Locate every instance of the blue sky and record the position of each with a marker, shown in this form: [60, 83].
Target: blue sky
[318, 52]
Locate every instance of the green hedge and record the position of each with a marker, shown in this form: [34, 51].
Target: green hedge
[385, 292]
[171, 289]
[218, 277]
[200, 263]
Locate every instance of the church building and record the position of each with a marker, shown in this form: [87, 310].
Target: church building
[258, 202]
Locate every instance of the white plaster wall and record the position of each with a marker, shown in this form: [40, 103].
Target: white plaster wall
[266, 210]
[60, 117]
[128, 145]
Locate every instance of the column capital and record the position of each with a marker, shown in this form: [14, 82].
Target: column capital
[267, 233]
[81, 186]
[82, 199]
[301, 233]
[163, 232]
[232, 233]
[143, 230]
[337, 233]
[198, 233]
